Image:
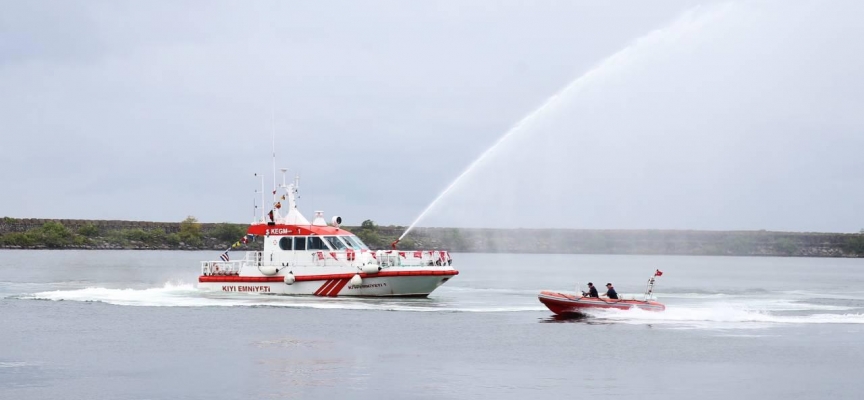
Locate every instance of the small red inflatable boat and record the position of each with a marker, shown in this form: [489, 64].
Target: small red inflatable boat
[563, 303]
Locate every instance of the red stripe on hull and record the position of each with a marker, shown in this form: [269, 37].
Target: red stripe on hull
[324, 288]
[338, 288]
[303, 278]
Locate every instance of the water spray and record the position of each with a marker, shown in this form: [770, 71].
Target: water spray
[610, 64]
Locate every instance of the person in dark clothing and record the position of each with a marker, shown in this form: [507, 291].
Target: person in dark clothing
[610, 292]
[592, 291]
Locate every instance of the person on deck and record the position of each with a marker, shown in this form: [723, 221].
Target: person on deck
[592, 291]
[610, 292]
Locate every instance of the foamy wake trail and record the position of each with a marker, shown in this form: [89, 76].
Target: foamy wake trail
[187, 295]
[707, 312]
[169, 295]
[722, 316]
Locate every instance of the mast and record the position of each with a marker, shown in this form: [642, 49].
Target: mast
[295, 191]
[284, 188]
[255, 206]
[262, 198]
[273, 128]
[290, 191]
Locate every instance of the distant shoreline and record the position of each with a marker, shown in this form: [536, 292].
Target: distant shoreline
[27, 233]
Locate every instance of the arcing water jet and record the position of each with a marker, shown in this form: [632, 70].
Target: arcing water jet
[684, 24]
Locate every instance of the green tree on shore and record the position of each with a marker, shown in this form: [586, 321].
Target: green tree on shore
[88, 230]
[228, 232]
[190, 231]
[368, 233]
[52, 235]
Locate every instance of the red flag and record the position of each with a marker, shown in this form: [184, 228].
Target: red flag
[658, 273]
[402, 254]
[418, 254]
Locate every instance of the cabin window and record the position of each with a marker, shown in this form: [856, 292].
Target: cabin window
[299, 243]
[335, 243]
[315, 243]
[285, 243]
[348, 243]
[358, 244]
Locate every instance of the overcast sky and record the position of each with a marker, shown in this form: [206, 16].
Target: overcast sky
[708, 115]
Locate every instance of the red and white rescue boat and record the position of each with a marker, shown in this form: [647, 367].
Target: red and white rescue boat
[317, 259]
[564, 303]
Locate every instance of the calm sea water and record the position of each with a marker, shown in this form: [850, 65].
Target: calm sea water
[131, 325]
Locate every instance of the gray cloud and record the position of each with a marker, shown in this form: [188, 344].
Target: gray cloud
[158, 110]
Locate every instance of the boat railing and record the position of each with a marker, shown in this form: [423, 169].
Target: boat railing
[221, 267]
[337, 257]
[254, 258]
[413, 258]
[384, 258]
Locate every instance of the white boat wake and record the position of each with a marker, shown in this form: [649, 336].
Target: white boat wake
[687, 311]
[187, 295]
[725, 315]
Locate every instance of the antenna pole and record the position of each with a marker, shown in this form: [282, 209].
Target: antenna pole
[255, 211]
[273, 126]
[296, 188]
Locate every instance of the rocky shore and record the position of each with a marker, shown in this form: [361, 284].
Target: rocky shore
[192, 235]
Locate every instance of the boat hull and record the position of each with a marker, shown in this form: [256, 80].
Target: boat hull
[383, 284]
[562, 303]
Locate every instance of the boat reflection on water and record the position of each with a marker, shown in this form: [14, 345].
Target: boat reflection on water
[569, 318]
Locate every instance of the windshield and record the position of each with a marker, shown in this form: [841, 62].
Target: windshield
[355, 242]
[335, 243]
[348, 242]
